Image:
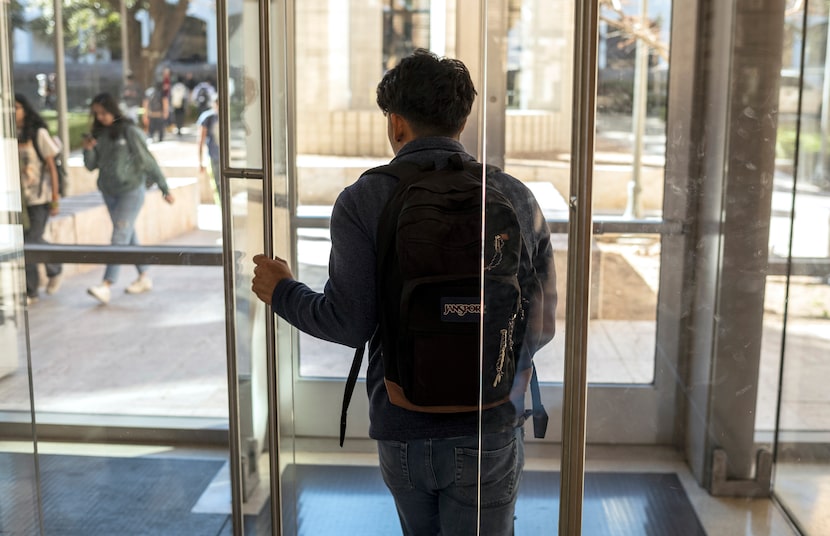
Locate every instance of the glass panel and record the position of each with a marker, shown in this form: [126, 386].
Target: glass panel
[339, 133]
[246, 125]
[245, 111]
[796, 326]
[252, 379]
[532, 85]
[282, 69]
[121, 378]
[95, 66]
[20, 508]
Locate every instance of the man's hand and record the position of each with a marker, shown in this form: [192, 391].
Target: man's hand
[267, 274]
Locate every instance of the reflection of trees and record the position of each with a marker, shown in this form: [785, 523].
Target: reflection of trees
[15, 13]
[632, 27]
[405, 28]
[92, 24]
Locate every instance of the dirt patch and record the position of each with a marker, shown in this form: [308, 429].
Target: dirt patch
[625, 294]
[809, 297]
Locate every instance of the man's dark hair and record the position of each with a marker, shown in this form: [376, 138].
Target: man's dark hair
[434, 94]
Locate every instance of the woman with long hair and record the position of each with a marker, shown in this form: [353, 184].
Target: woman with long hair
[39, 186]
[117, 149]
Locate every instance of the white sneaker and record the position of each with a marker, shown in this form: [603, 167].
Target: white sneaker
[54, 284]
[142, 284]
[101, 293]
[31, 300]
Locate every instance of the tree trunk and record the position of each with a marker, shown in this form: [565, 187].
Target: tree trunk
[167, 19]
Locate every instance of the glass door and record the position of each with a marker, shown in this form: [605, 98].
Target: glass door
[521, 123]
[339, 134]
[252, 104]
[660, 290]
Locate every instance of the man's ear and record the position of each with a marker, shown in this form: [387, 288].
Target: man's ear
[400, 127]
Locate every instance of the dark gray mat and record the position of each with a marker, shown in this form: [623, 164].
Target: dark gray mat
[353, 500]
[154, 496]
[90, 495]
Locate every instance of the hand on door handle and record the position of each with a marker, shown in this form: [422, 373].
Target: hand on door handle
[267, 275]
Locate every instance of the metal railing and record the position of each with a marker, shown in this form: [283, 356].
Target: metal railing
[98, 254]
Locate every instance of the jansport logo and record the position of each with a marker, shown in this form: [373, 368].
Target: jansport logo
[454, 309]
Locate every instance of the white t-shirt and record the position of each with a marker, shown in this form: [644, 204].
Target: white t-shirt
[178, 93]
[35, 182]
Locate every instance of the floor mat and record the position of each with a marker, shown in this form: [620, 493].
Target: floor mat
[333, 500]
[154, 496]
[92, 495]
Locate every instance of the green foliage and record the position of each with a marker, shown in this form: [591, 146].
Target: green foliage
[79, 122]
[810, 142]
[15, 12]
[88, 25]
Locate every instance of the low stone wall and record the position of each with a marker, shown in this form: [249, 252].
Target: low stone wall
[84, 219]
[82, 181]
[610, 188]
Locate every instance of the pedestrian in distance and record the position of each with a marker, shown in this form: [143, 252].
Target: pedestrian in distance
[202, 95]
[156, 111]
[179, 101]
[426, 100]
[208, 124]
[131, 98]
[39, 187]
[117, 148]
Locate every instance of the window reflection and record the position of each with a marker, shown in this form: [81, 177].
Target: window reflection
[405, 28]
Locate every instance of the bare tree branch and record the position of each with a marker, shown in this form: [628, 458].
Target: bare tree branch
[633, 27]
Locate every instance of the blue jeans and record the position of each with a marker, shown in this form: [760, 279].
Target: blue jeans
[38, 218]
[215, 170]
[124, 209]
[434, 483]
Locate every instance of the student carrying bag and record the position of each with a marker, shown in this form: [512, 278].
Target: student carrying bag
[58, 165]
[429, 293]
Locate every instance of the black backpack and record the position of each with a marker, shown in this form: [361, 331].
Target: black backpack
[156, 103]
[429, 263]
[202, 97]
[58, 165]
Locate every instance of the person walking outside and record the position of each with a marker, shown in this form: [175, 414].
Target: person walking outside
[156, 112]
[131, 98]
[208, 123]
[118, 150]
[39, 188]
[426, 101]
[179, 101]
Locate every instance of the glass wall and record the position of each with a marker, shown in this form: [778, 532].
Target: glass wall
[20, 506]
[123, 388]
[174, 365]
[797, 330]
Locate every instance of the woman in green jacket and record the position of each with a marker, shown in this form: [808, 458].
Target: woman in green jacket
[126, 168]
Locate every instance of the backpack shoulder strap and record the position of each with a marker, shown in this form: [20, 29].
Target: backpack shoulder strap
[402, 170]
[405, 172]
[349, 390]
[540, 415]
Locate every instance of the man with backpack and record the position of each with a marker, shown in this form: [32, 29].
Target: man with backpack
[179, 101]
[203, 94]
[418, 304]
[156, 111]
